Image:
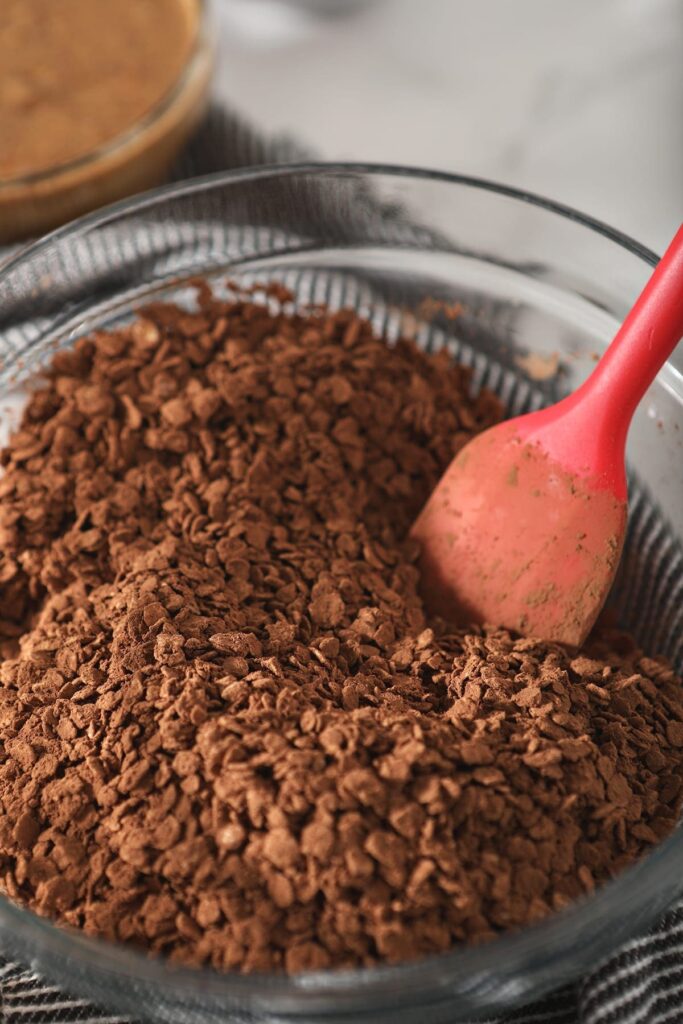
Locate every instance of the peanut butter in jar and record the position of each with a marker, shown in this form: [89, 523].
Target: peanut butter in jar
[96, 98]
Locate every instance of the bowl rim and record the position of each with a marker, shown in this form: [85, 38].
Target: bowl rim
[439, 975]
[198, 183]
[199, 41]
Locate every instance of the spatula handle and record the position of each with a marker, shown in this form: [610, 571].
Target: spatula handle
[644, 342]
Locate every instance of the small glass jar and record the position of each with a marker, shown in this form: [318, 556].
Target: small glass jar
[135, 159]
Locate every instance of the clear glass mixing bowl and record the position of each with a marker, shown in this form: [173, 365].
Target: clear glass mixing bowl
[532, 276]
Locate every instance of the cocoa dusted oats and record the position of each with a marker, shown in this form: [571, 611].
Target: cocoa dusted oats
[229, 732]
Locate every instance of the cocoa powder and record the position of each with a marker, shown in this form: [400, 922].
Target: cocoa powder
[229, 732]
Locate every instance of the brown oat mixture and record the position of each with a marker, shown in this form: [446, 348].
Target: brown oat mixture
[229, 733]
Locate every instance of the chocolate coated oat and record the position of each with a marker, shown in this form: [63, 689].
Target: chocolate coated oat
[229, 732]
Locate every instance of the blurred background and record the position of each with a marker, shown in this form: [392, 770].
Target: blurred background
[579, 100]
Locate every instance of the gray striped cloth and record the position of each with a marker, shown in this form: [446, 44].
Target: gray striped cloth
[641, 983]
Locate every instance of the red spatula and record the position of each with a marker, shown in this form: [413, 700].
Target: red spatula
[526, 526]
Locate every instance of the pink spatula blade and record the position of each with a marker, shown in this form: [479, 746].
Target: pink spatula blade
[526, 527]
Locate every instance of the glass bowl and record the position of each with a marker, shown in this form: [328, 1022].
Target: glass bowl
[532, 277]
[134, 160]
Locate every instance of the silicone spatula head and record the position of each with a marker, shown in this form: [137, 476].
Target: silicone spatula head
[526, 527]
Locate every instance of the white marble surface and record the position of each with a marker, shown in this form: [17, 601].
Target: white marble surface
[580, 100]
